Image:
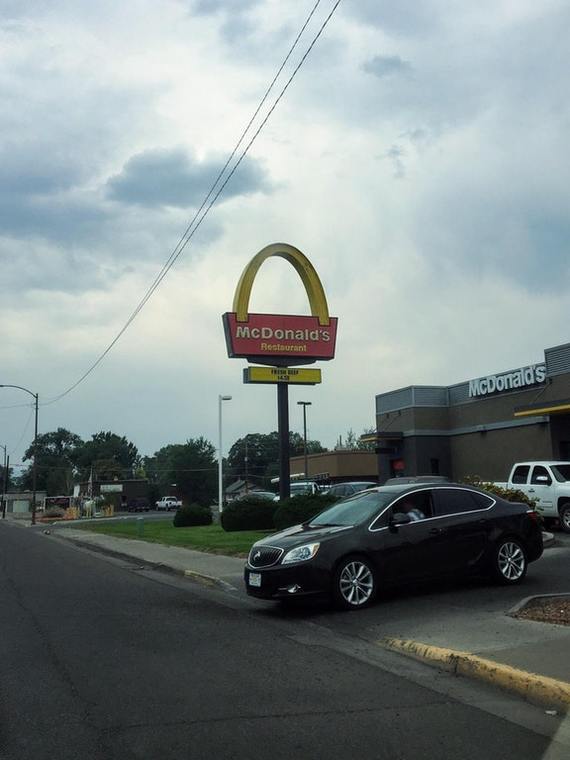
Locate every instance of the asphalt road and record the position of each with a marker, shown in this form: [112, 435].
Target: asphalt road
[102, 659]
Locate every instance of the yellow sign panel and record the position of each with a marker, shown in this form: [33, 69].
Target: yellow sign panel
[281, 375]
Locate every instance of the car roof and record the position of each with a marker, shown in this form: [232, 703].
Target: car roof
[545, 461]
[410, 487]
[356, 483]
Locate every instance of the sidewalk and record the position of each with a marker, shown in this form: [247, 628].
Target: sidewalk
[442, 634]
[218, 569]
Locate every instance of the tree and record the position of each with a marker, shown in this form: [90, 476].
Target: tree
[56, 457]
[263, 455]
[190, 469]
[110, 455]
[352, 442]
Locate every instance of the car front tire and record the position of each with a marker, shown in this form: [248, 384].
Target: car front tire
[354, 583]
[509, 562]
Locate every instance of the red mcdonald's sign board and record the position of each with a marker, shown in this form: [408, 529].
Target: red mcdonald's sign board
[297, 339]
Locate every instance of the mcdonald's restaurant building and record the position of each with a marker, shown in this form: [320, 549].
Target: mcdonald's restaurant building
[478, 427]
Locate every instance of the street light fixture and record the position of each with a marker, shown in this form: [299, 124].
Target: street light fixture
[34, 471]
[305, 404]
[220, 486]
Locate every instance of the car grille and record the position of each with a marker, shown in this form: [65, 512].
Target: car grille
[264, 556]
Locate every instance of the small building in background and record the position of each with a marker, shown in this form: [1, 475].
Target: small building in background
[338, 466]
[118, 492]
[21, 503]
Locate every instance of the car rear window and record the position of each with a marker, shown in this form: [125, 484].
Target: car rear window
[520, 474]
[452, 501]
[561, 472]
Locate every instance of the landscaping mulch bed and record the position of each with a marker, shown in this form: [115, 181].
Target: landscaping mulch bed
[553, 609]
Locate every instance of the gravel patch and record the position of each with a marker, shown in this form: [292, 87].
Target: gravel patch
[547, 610]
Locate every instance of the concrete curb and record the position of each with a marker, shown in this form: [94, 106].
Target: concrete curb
[194, 575]
[532, 687]
[528, 599]
[209, 580]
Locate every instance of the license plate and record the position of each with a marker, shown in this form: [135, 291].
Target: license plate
[255, 579]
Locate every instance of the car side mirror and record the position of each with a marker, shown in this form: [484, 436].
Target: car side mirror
[400, 518]
[543, 479]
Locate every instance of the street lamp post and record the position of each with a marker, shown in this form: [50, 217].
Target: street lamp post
[305, 404]
[34, 470]
[220, 483]
[4, 477]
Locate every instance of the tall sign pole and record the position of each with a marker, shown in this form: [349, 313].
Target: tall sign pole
[283, 432]
[281, 341]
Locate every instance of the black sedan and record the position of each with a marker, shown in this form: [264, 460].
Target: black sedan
[394, 535]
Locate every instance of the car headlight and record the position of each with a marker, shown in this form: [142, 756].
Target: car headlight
[300, 553]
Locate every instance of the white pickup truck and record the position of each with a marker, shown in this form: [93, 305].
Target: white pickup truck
[549, 484]
[168, 503]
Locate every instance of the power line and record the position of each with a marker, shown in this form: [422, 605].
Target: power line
[17, 446]
[194, 225]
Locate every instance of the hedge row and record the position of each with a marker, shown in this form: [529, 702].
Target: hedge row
[193, 514]
[253, 514]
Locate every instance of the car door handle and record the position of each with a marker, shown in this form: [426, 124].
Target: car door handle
[482, 522]
[435, 531]
[531, 490]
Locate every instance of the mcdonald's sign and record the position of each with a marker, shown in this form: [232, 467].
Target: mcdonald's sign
[281, 339]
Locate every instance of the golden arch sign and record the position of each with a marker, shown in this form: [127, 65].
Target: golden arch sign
[281, 339]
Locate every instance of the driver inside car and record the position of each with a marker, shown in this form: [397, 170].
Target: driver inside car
[409, 508]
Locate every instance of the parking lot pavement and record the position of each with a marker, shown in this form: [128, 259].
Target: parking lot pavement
[472, 616]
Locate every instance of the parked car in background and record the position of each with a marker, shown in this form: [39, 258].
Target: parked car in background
[342, 490]
[257, 496]
[404, 480]
[168, 503]
[548, 483]
[139, 504]
[393, 535]
[302, 488]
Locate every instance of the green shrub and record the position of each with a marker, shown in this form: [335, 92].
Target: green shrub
[193, 514]
[299, 509]
[248, 514]
[509, 494]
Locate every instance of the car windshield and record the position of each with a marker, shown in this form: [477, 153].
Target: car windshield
[561, 472]
[355, 510]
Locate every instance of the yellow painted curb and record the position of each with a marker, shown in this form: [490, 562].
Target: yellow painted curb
[207, 580]
[533, 687]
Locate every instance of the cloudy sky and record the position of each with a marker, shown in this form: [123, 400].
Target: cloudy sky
[420, 159]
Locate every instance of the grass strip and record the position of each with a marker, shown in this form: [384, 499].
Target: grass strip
[204, 538]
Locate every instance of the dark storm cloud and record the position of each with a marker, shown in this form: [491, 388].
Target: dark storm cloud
[387, 65]
[159, 178]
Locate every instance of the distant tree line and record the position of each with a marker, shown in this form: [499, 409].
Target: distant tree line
[187, 469]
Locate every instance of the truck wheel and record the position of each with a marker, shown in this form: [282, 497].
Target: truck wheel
[564, 512]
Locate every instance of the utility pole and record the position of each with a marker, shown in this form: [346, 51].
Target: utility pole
[35, 396]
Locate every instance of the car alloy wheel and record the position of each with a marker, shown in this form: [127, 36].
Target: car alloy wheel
[511, 561]
[565, 517]
[355, 585]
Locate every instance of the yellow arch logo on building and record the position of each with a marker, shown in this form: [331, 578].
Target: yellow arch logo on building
[303, 267]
